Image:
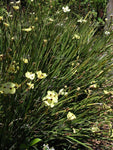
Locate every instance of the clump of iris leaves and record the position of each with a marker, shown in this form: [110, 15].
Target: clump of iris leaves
[83, 65]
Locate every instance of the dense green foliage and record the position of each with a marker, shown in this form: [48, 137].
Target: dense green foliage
[76, 63]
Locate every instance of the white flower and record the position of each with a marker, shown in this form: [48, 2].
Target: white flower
[66, 9]
[78, 88]
[62, 92]
[11, 3]
[107, 32]
[30, 75]
[74, 130]
[52, 148]
[60, 24]
[106, 19]
[65, 93]
[46, 147]
[18, 2]
[50, 19]
[16, 7]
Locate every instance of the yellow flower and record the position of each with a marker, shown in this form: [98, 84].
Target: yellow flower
[94, 86]
[30, 75]
[51, 98]
[28, 29]
[50, 19]
[45, 40]
[76, 37]
[9, 88]
[65, 86]
[71, 116]
[6, 24]
[13, 68]
[93, 81]
[12, 38]
[106, 92]
[25, 60]
[111, 133]
[30, 85]
[17, 67]
[1, 57]
[48, 102]
[1, 91]
[1, 18]
[52, 95]
[36, 18]
[16, 7]
[32, 27]
[41, 75]
[78, 88]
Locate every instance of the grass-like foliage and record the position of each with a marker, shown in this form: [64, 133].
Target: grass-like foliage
[54, 77]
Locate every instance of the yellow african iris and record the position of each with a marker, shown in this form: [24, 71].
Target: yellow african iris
[51, 98]
[71, 116]
[41, 75]
[8, 88]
